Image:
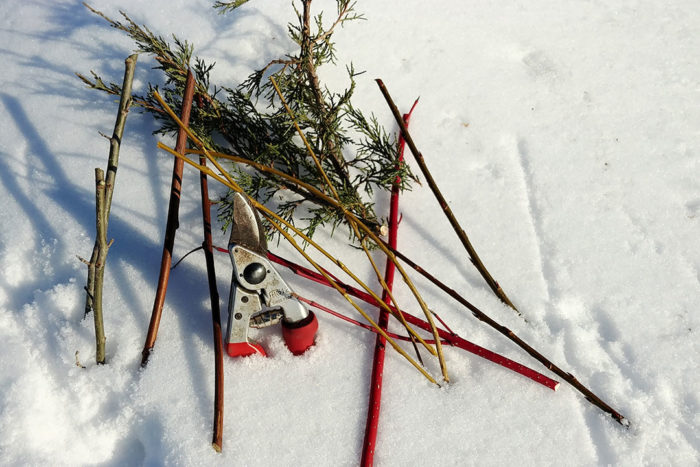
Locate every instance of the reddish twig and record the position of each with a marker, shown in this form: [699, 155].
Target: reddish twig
[450, 338]
[375, 392]
[217, 437]
[171, 224]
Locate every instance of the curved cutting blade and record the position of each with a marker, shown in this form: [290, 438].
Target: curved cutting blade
[246, 228]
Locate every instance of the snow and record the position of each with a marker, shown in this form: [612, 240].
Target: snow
[564, 135]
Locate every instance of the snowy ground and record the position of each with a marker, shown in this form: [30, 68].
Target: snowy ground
[565, 136]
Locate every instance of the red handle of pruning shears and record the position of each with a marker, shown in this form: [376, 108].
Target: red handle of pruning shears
[300, 336]
[244, 349]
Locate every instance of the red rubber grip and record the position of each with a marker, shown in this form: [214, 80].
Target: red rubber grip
[244, 349]
[300, 336]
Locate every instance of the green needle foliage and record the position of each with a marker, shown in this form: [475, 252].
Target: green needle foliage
[250, 121]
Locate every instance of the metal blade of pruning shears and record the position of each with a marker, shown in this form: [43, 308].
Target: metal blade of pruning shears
[246, 229]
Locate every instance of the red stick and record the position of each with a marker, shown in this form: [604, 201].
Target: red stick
[451, 338]
[375, 391]
[332, 312]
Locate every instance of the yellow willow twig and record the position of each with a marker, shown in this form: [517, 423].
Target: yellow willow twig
[353, 219]
[328, 182]
[234, 186]
[318, 194]
[349, 215]
[389, 293]
[315, 192]
[303, 138]
[274, 219]
[270, 216]
[208, 171]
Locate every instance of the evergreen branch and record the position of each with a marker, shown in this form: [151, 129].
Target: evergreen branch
[114, 89]
[345, 7]
[230, 119]
[225, 7]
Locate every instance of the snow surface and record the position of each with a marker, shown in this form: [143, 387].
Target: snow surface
[565, 135]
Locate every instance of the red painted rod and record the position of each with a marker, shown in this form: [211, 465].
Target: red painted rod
[451, 338]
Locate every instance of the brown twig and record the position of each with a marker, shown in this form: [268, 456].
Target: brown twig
[217, 437]
[443, 203]
[99, 265]
[480, 315]
[171, 223]
[104, 188]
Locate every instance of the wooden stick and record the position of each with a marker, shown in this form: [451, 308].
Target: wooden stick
[171, 225]
[480, 315]
[101, 243]
[103, 203]
[217, 437]
[443, 203]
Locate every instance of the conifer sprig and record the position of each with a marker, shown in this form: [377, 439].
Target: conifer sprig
[249, 120]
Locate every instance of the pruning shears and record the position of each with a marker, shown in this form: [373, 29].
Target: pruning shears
[259, 296]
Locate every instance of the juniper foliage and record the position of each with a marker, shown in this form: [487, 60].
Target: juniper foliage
[249, 120]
